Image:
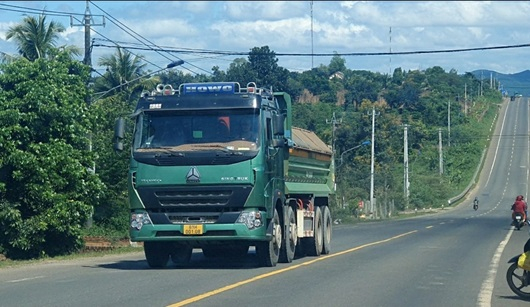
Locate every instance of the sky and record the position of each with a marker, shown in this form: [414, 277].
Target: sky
[368, 35]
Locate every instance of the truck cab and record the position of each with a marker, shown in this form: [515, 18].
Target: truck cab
[208, 170]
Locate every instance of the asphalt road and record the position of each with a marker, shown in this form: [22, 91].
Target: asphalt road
[457, 257]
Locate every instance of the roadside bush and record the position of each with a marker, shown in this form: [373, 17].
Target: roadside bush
[47, 191]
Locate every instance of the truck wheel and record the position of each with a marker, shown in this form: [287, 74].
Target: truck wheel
[313, 245]
[181, 254]
[156, 254]
[290, 237]
[268, 252]
[326, 230]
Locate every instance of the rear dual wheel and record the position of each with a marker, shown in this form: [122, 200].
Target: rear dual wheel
[326, 230]
[313, 245]
[290, 237]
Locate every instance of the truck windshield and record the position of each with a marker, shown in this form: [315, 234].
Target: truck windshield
[197, 132]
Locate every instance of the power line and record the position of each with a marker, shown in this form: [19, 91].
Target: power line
[27, 10]
[14, 8]
[117, 45]
[235, 53]
[22, 9]
[135, 33]
[214, 56]
[121, 26]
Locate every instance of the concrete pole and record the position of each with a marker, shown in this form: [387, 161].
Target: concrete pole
[372, 165]
[440, 151]
[449, 122]
[406, 166]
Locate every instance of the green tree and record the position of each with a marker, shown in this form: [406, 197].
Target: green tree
[116, 92]
[122, 69]
[264, 64]
[47, 191]
[35, 38]
[240, 71]
[111, 216]
[337, 64]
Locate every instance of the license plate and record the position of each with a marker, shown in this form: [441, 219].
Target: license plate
[193, 230]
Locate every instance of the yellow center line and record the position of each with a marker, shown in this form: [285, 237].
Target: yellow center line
[262, 276]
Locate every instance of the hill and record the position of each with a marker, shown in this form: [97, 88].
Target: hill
[512, 83]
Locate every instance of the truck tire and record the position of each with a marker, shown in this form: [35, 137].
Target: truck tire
[326, 230]
[268, 252]
[156, 254]
[181, 254]
[290, 237]
[313, 245]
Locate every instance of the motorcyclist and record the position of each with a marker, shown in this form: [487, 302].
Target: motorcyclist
[475, 201]
[519, 206]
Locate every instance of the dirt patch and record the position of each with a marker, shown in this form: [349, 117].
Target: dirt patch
[102, 243]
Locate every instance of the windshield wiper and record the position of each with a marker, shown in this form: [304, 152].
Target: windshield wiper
[167, 152]
[222, 148]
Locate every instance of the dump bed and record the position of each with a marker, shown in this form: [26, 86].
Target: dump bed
[310, 165]
[308, 140]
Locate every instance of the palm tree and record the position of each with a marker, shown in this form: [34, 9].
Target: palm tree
[122, 68]
[34, 37]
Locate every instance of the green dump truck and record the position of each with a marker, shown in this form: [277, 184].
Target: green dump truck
[218, 167]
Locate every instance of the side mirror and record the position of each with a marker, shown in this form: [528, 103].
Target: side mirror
[278, 125]
[119, 133]
[119, 128]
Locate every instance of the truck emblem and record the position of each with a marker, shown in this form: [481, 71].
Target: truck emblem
[209, 88]
[193, 175]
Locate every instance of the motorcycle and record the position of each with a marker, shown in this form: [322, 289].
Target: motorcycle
[475, 205]
[518, 221]
[519, 278]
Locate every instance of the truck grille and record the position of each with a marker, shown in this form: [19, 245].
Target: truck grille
[193, 198]
[194, 204]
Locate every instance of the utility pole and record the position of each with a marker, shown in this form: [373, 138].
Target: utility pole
[465, 99]
[87, 23]
[334, 122]
[390, 52]
[372, 165]
[312, 53]
[406, 182]
[88, 61]
[449, 122]
[441, 161]
[481, 82]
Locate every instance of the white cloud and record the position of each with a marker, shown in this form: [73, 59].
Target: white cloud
[198, 7]
[285, 26]
[265, 10]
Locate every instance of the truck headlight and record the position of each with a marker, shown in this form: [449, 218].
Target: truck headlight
[252, 219]
[140, 219]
